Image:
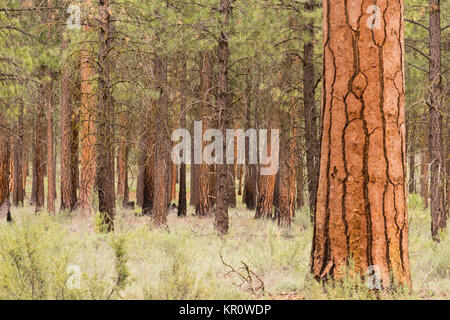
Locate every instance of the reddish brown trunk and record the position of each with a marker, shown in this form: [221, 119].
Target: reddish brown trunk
[193, 185]
[122, 159]
[87, 138]
[51, 175]
[437, 165]
[424, 177]
[285, 209]
[266, 191]
[240, 174]
[141, 169]
[361, 216]
[300, 179]
[4, 165]
[249, 196]
[24, 170]
[182, 204]
[68, 201]
[105, 111]
[223, 105]
[162, 146]
[173, 182]
[39, 165]
[18, 191]
[75, 159]
[203, 201]
[149, 163]
[311, 132]
[412, 169]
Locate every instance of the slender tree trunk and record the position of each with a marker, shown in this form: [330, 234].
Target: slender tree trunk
[447, 162]
[141, 171]
[34, 168]
[4, 165]
[240, 174]
[105, 110]
[148, 178]
[221, 214]
[75, 158]
[249, 196]
[162, 146]
[300, 179]
[412, 168]
[266, 191]
[173, 184]
[39, 153]
[203, 201]
[437, 184]
[361, 216]
[68, 201]
[11, 165]
[193, 185]
[24, 168]
[424, 177]
[18, 192]
[311, 132]
[182, 204]
[122, 159]
[231, 186]
[87, 138]
[286, 189]
[51, 172]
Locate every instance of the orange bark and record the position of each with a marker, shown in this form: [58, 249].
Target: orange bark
[88, 139]
[361, 205]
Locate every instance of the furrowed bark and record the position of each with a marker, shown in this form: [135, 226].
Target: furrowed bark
[104, 117]
[182, 204]
[162, 146]
[361, 203]
[221, 214]
[437, 183]
[4, 165]
[18, 192]
[122, 159]
[68, 201]
[87, 135]
[311, 132]
[51, 172]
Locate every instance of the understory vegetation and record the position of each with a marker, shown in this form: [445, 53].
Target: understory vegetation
[65, 256]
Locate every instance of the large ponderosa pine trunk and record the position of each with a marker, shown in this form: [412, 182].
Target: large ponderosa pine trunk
[361, 217]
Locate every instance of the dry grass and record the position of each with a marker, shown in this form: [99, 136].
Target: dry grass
[184, 261]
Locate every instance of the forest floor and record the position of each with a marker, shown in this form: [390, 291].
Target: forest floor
[64, 256]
